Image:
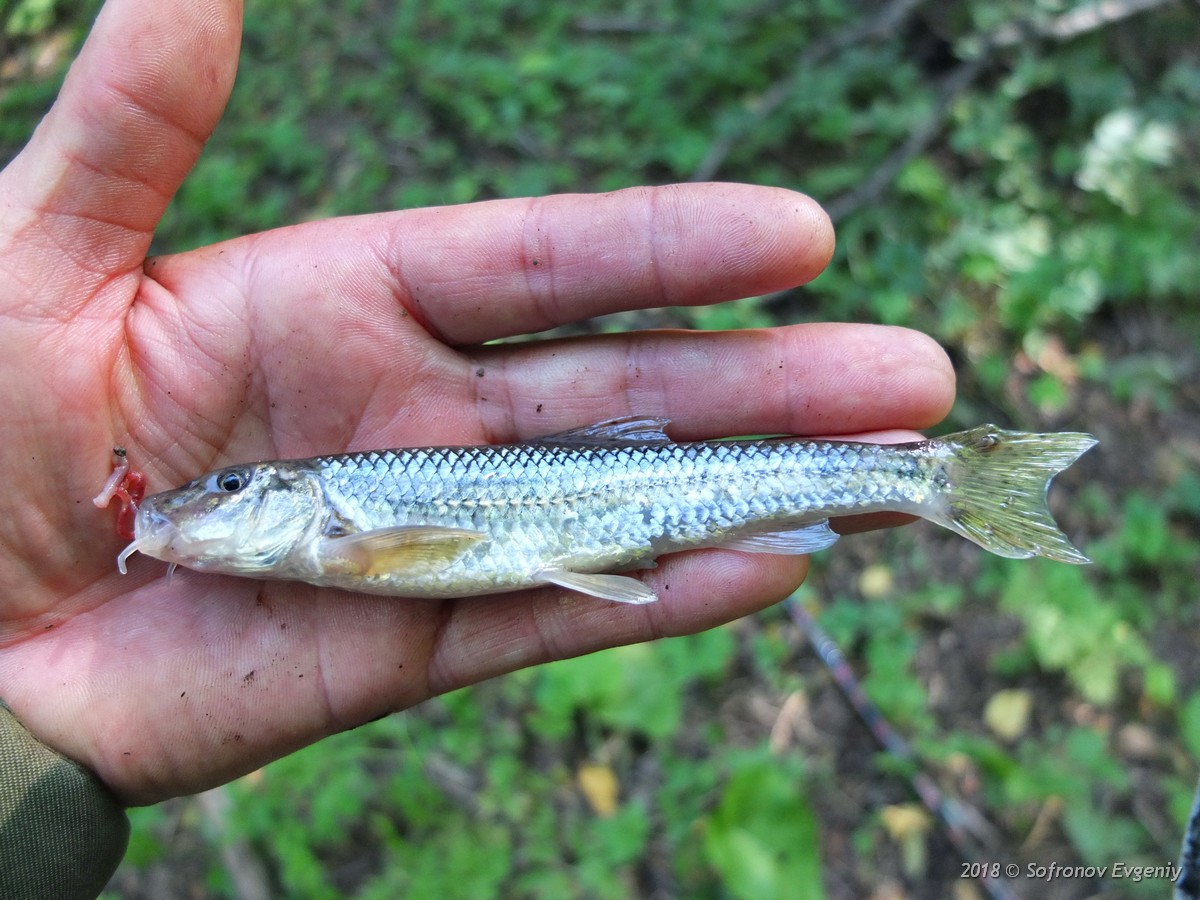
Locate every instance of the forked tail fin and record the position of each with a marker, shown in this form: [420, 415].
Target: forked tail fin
[996, 490]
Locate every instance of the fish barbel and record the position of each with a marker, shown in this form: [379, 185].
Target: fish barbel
[576, 507]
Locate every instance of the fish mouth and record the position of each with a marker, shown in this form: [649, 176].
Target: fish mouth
[153, 534]
[157, 536]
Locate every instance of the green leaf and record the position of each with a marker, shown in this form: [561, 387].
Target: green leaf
[763, 836]
[29, 17]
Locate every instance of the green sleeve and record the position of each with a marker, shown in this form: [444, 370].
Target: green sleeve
[62, 832]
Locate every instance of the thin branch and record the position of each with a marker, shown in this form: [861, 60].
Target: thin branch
[963, 825]
[918, 141]
[245, 869]
[620, 25]
[1072, 24]
[884, 23]
[1066, 27]
[458, 784]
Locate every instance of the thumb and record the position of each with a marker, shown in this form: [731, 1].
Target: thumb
[134, 112]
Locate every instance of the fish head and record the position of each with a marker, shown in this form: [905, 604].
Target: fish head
[240, 520]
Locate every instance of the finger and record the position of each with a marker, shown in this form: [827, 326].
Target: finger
[814, 379]
[533, 264]
[697, 591]
[214, 677]
[135, 110]
[486, 270]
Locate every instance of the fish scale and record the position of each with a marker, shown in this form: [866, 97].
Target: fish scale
[573, 508]
[600, 507]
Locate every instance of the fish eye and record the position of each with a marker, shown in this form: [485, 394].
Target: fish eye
[232, 482]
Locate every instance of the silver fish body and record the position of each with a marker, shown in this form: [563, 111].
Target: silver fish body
[575, 507]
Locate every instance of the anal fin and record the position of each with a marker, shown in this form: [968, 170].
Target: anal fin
[807, 538]
[618, 588]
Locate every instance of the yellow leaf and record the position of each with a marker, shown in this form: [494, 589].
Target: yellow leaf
[905, 820]
[1007, 713]
[907, 824]
[876, 582]
[599, 785]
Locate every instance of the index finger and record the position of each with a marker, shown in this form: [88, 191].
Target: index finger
[488, 270]
[528, 265]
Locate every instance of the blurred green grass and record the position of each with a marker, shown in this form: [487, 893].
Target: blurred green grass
[1032, 204]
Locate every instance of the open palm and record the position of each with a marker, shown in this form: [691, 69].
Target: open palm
[346, 334]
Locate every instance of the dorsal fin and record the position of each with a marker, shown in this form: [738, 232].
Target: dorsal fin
[621, 430]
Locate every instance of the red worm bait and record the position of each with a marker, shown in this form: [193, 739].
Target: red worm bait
[128, 487]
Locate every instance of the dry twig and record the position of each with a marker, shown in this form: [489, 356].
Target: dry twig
[245, 869]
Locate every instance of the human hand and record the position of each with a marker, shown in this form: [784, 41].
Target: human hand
[344, 334]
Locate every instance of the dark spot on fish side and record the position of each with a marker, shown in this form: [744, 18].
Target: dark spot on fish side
[539, 407]
[479, 373]
[537, 262]
[183, 694]
[248, 677]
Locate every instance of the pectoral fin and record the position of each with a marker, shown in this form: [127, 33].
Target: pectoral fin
[619, 588]
[403, 549]
[806, 539]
